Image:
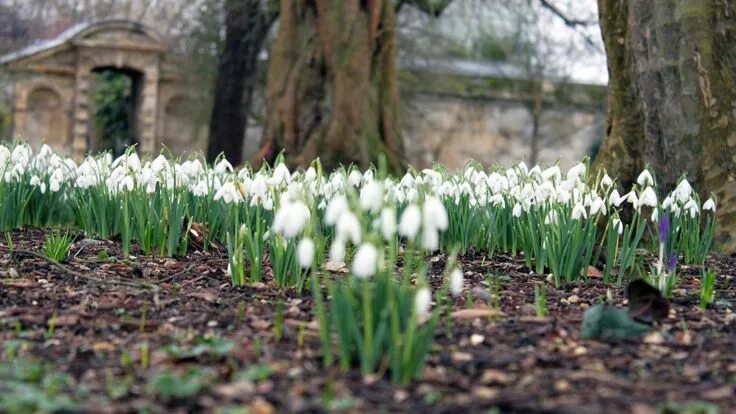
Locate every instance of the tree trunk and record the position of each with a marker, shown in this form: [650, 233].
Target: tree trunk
[672, 96]
[332, 86]
[246, 25]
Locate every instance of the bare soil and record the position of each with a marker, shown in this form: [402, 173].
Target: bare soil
[199, 345]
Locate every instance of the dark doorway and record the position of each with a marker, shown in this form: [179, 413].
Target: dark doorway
[115, 100]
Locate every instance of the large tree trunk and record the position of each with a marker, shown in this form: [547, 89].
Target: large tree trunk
[332, 84]
[672, 95]
[246, 25]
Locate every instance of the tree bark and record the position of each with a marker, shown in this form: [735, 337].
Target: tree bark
[672, 96]
[332, 86]
[246, 25]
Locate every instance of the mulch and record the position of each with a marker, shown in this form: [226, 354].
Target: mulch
[258, 347]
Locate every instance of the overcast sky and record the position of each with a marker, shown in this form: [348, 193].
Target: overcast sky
[576, 52]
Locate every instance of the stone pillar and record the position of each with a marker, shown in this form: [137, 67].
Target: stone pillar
[148, 111]
[80, 114]
[19, 112]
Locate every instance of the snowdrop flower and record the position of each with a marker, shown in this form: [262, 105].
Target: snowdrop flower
[365, 262]
[516, 212]
[337, 251]
[430, 239]
[497, 200]
[596, 206]
[692, 207]
[645, 178]
[709, 204]
[305, 252]
[35, 181]
[228, 193]
[371, 197]
[422, 302]
[633, 200]
[579, 211]
[310, 175]
[223, 167]
[410, 221]
[159, 164]
[551, 217]
[655, 216]
[552, 174]
[683, 191]
[435, 214]
[258, 190]
[576, 172]
[648, 198]
[280, 175]
[456, 282]
[615, 199]
[618, 226]
[335, 208]
[606, 181]
[291, 218]
[201, 189]
[355, 178]
[348, 228]
[388, 223]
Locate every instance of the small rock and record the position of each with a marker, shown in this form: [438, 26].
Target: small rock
[211, 324]
[13, 273]
[654, 338]
[496, 377]
[261, 406]
[485, 393]
[400, 395]
[573, 299]
[476, 339]
[562, 385]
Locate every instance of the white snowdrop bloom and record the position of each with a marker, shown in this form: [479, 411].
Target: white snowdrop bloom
[305, 252]
[645, 179]
[655, 216]
[615, 199]
[291, 218]
[430, 239]
[201, 189]
[388, 223]
[497, 200]
[371, 197]
[563, 196]
[577, 171]
[435, 214]
[159, 164]
[683, 191]
[35, 181]
[632, 198]
[410, 221]
[228, 193]
[516, 212]
[552, 174]
[280, 175]
[348, 228]
[648, 197]
[335, 208]
[456, 282]
[258, 191]
[422, 302]
[337, 251]
[709, 204]
[667, 202]
[606, 181]
[223, 167]
[578, 212]
[310, 175]
[412, 195]
[355, 178]
[407, 180]
[365, 262]
[42, 187]
[128, 184]
[692, 207]
[675, 209]
[618, 226]
[597, 206]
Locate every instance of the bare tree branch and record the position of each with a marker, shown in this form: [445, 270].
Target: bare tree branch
[569, 21]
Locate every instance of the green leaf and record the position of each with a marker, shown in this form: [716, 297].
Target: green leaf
[605, 321]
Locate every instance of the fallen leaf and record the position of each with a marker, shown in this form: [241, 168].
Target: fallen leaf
[605, 321]
[475, 313]
[593, 272]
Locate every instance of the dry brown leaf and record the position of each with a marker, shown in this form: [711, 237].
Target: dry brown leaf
[475, 313]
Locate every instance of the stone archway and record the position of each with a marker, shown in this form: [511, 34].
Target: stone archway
[67, 65]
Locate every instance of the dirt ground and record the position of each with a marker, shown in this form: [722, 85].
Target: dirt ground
[97, 337]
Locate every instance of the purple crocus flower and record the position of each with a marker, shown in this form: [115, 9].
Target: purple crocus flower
[672, 263]
[664, 227]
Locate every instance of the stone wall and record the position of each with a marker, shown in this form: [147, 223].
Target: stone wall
[453, 130]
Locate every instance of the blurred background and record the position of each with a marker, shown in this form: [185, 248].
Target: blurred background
[496, 81]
